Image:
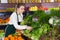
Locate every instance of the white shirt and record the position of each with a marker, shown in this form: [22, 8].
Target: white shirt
[13, 20]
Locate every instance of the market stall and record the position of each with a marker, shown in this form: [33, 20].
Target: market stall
[37, 14]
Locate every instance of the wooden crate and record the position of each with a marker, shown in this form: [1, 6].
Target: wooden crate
[17, 1]
[55, 0]
[27, 1]
[13, 1]
[38, 1]
[23, 1]
[9, 1]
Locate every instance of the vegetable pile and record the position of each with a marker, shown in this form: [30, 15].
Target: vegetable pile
[39, 22]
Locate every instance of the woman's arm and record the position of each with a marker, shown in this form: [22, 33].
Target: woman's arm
[14, 22]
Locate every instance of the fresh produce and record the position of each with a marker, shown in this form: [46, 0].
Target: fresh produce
[2, 21]
[16, 36]
[36, 33]
[10, 37]
[43, 8]
[10, 9]
[55, 13]
[1, 33]
[6, 38]
[56, 8]
[54, 21]
[7, 20]
[39, 22]
[33, 8]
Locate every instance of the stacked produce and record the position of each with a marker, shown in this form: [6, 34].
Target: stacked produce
[10, 9]
[39, 23]
[33, 8]
[55, 8]
[11, 37]
[1, 33]
[16, 36]
[3, 21]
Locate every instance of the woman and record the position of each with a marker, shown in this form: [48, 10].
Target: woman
[15, 19]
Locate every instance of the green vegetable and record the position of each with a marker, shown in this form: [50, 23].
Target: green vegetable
[40, 27]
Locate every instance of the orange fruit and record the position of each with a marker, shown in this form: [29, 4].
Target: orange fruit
[1, 21]
[12, 38]
[15, 37]
[6, 38]
[7, 20]
[19, 32]
[9, 36]
[20, 38]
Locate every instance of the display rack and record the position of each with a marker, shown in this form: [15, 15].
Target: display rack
[24, 1]
[31, 1]
[45, 3]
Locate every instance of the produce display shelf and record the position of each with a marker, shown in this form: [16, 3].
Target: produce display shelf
[2, 27]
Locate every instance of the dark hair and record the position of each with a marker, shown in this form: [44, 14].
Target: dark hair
[20, 4]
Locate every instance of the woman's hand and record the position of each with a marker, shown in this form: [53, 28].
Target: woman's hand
[29, 28]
